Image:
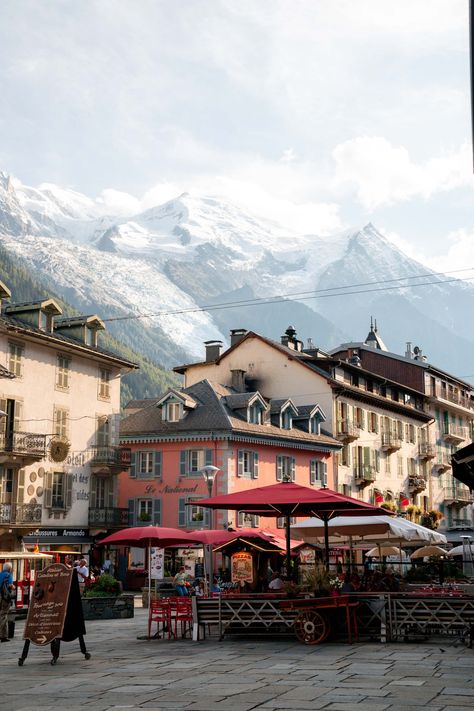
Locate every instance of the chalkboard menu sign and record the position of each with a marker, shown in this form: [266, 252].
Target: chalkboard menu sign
[49, 604]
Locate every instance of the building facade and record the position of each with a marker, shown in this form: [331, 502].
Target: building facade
[59, 428]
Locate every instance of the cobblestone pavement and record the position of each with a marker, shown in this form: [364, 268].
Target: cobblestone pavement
[234, 675]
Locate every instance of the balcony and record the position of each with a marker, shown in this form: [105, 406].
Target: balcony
[426, 450]
[20, 514]
[443, 462]
[452, 396]
[458, 495]
[455, 433]
[110, 459]
[22, 448]
[459, 524]
[347, 431]
[416, 484]
[390, 442]
[109, 517]
[365, 474]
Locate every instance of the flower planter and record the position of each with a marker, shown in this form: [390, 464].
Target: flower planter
[108, 608]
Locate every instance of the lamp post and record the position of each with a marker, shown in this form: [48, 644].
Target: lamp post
[209, 473]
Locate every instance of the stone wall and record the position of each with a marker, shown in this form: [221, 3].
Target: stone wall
[108, 608]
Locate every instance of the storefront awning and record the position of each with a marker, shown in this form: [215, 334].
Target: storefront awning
[463, 465]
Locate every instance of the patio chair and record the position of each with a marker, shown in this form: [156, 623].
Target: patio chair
[160, 612]
[181, 612]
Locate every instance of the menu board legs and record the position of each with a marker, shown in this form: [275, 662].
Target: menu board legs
[55, 648]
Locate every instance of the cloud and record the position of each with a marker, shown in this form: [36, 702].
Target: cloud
[459, 253]
[383, 174]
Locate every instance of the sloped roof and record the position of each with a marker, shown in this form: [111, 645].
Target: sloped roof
[239, 401]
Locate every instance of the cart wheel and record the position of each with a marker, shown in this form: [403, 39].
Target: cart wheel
[311, 627]
[20, 662]
[87, 655]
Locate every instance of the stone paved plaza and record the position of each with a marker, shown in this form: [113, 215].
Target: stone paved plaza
[234, 675]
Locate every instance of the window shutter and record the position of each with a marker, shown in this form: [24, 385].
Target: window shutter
[240, 463]
[18, 416]
[377, 461]
[68, 490]
[207, 517]
[20, 486]
[293, 468]
[132, 511]
[256, 521]
[362, 419]
[182, 511]
[183, 457]
[48, 490]
[156, 516]
[208, 457]
[367, 458]
[324, 477]
[279, 471]
[93, 498]
[312, 471]
[255, 466]
[376, 423]
[133, 465]
[3, 420]
[111, 492]
[157, 464]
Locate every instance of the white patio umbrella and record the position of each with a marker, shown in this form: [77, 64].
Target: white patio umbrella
[379, 529]
[429, 552]
[460, 550]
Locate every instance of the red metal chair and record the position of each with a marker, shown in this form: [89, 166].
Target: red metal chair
[160, 612]
[181, 612]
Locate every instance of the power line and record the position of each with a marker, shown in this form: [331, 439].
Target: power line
[314, 294]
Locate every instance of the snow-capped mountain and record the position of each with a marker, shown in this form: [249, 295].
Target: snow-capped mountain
[201, 251]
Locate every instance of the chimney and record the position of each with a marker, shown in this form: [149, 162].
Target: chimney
[236, 335]
[289, 339]
[213, 350]
[238, 380]
[409, 352]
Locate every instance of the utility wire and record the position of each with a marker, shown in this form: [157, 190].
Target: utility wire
[314, 294]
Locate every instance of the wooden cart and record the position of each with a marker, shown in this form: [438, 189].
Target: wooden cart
[313, 622]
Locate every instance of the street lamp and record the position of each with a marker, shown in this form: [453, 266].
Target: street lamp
[209, 473]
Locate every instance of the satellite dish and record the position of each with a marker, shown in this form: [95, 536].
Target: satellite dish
[416, 350]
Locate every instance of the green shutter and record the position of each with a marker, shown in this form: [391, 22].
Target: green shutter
[324, 478]
[240, 463]
[182, 512]
[157, 464]
[293, 468]
[133, 465]
[183, 458]
[156, 515]
[48, 490]
[208, 456]
[255, 465]
[207, 517]
[132, 512]
[367, 455]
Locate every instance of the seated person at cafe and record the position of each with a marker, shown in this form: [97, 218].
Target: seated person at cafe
[179, 582]
[276, 583]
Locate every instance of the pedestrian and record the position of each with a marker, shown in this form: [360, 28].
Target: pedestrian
[276, 583]
[6, 588]
[82, 573]
[179, 582]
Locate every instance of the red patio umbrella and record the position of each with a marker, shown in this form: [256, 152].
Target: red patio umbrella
[289, 499]
[147, 537]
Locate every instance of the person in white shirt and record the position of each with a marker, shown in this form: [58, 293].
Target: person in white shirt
[276, 583]
[82, 570]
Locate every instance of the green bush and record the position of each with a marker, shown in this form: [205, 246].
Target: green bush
[104, 586]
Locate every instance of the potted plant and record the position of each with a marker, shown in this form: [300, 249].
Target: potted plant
[316, 581]
[144, 516]
[389, 505]
[198, 516]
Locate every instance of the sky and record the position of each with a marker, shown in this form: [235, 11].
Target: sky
[320, 114]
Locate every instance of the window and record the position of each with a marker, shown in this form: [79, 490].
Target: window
[104, 383]
[58, 490]
[315, 424]
[285, 468]
[373, 422]
[143, 512]
[173, 412]
[359, 417]
[145, 509]
[103, 431]
[192, 461]
[192, 515]
[399, 466]
[410, 433]
[254, 414]
[145, 464]
[62, 372]
[345, 456]
[281, 521]
[60, 422]
[318, 472]
[388, 460]
[247, 464]
[286, 419]
[15, 362]
[247, 520]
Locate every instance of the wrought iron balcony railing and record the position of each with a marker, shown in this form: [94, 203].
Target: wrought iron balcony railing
[391, 441]
[347, 430]
[27, 443]
[20, 513]
[365, 473]
[426, 450]
[455, 433]
[109, 517]
[458, 494]
[111, 456]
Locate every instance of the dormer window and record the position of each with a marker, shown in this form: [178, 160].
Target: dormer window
[255, 414]
[286, 419]
[173, 411]
[315, 424]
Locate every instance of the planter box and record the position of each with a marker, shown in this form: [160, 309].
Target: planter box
[108, 608]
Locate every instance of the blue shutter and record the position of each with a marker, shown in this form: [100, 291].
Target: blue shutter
[133, 465]
[240, 464]
[182, 512]
[156, 516]
[207, 517]
[279, 472]
[157, 464]
[208, 457]
[132, 512]
[312, 471]
[293, 468]
[324, 477]
[255, 465]
[183, 458]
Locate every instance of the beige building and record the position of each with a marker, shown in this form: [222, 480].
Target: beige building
[378, 421]
[59, 426]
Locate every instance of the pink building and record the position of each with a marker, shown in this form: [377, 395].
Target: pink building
[253, 441]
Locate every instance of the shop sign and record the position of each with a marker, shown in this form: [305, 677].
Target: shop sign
[242, 567]
[48, 605]
[307, 556]
[157, 563]
[58, 532]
